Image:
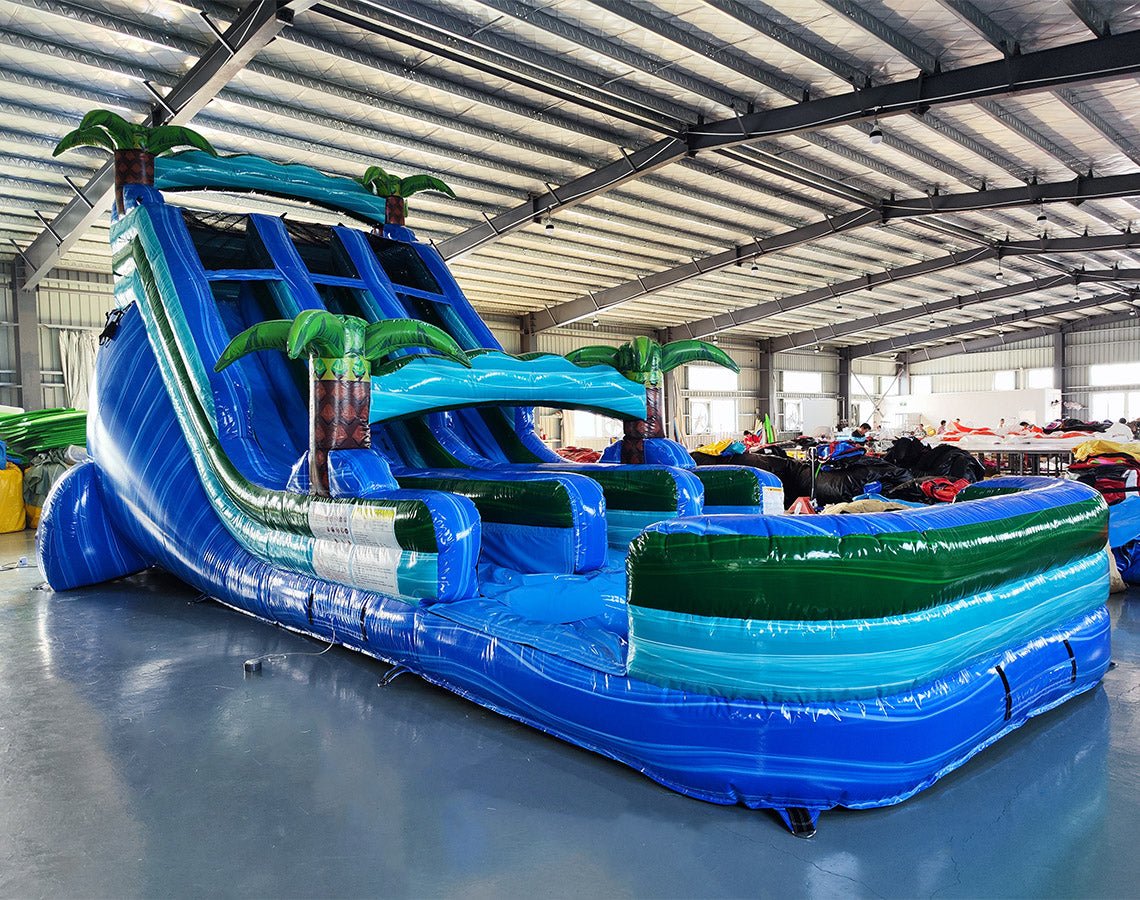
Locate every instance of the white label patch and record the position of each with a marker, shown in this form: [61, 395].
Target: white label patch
[330, 520]
[331, 561]
[374, 526]
[773, 498]
[374, 568]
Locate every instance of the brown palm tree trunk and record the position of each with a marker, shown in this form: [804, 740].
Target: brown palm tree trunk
[394, 210]
[131, 167]
[637, 430]
[340, 406]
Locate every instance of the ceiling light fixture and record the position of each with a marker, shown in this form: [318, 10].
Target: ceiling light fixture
[755, 268]
[548, 223]
[597, 322]
[1042, 218]
[875, 135]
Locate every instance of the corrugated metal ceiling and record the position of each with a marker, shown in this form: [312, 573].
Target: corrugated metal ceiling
[551, 89]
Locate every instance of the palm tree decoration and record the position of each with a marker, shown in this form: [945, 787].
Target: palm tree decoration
[341, 351]
[397, 190]
[645, 361]
[134, 146]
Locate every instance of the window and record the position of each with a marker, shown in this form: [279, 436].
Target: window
[1039, 378]
[863, 385]
[1107, 405]
[1113, 405]
[590, 425]
[890, 385]
[802, 382]
[793, 415]
[1109, 374]
[712, 379]
[864, 410]
[1005, 381]
[921, 385]
[712, 416]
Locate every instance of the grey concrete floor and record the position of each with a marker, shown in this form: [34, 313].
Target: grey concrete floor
[137, 759]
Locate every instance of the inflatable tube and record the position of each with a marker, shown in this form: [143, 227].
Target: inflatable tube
[791, 663]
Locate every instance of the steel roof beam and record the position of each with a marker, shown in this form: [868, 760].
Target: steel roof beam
[775, 81]
[839, 67]
[903, 341]
[978, 345]
[1096, 121]
[715, 324]
[1094, 20]
[929, 63]
[816, 336]
[253, 28]
[774, 159]
[230, 128]
[997, 341]
[66, 9]
[1077, 191]
[1007, 44]
[1089, 60]
[446, 36]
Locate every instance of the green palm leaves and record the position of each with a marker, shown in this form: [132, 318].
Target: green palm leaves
[110, 131]
[323, 334]
[644, 360]
[382, 184]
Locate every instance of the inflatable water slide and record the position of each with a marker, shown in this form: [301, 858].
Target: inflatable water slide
[312, 425]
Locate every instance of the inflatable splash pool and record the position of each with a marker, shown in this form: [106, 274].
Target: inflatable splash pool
[651, 613]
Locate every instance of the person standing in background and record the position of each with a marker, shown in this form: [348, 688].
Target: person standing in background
[1119, 431]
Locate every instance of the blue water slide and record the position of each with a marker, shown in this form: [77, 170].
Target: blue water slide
[504, 438]
[796, 664]
[569, 539]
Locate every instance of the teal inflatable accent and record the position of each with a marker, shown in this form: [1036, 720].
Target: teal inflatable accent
[429, 385]
[194, 170]
[815, 661]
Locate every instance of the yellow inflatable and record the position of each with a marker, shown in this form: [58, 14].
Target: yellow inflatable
[12, 515]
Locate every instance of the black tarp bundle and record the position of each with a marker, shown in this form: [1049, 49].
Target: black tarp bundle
[899, 472]
[794, 475]
[1076, 425]
[945, 460]
[835, 484]
[840, 482]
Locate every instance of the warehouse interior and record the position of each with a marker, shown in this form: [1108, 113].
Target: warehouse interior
[894, 219]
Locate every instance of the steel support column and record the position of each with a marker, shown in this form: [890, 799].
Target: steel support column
[766, 400]
[902, 375]
[26, 303]
[528, 340]
[1060, 365]
[844, 392]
